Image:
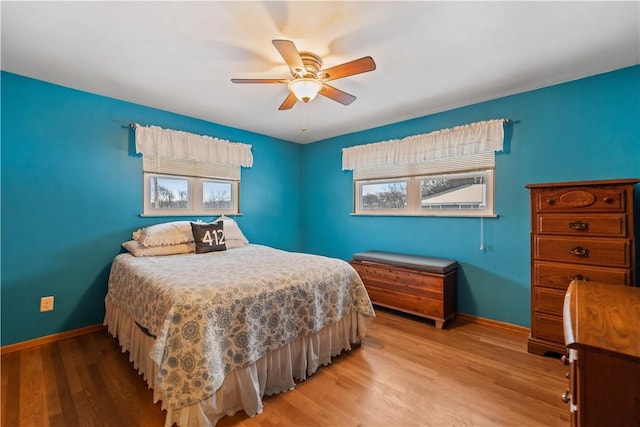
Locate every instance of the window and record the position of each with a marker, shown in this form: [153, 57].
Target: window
[174, 187]
[455, 194]
[187, 196]
[168, 193]
[464, 193]
[448, 172]
[185, 174]
[382, 195]
[218, 194]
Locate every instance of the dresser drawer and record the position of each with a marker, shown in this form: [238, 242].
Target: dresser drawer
[559, 275]
[613, 225]
[548, 327]
[583, 199]
[549, 300]
[594, 251]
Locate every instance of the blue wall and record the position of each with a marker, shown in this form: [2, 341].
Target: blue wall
[71, 194]
[582, 130]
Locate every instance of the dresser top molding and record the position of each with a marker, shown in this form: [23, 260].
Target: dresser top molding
[585, 183]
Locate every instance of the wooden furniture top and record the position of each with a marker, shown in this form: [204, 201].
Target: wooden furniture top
[585, 183]
[603, 316]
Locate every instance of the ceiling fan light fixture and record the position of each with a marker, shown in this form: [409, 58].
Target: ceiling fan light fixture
[309, 78]
[305, 89]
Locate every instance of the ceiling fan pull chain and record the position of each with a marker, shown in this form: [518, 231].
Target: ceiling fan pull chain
[304, 117]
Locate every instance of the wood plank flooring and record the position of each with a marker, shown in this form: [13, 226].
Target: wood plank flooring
[407, 373]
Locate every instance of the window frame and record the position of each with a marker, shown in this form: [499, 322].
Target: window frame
[414, 196]
[195, 197]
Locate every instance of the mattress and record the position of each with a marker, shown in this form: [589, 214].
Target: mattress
[210, 315]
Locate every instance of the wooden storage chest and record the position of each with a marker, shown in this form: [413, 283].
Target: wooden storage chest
[423, 286]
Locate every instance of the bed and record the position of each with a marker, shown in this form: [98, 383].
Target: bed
[213, 333]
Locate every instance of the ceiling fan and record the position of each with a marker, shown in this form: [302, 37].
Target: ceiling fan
[309, 78]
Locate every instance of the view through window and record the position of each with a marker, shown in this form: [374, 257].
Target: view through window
[455, 194]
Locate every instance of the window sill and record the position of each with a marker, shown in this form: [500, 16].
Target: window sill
[448, 215]
[188, 215]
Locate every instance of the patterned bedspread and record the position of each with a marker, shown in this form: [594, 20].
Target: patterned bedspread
[218, 311]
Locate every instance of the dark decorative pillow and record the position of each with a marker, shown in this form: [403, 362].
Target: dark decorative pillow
[208, 237]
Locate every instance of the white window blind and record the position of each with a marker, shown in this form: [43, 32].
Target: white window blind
[191, 168]
[472, 162]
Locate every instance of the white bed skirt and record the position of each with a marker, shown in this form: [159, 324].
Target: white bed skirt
[244, 388]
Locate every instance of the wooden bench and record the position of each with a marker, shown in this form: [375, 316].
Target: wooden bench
[419, 285]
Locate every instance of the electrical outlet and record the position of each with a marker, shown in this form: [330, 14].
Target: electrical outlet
[46, 303]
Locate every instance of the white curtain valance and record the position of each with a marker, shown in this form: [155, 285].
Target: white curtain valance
[156, 141]
[459, 141]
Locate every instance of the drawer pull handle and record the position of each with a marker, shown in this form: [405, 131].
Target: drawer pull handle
[580, 252]
[580, 277]
[551, 201]
[608, 200]
[566, 396]
[579, 225]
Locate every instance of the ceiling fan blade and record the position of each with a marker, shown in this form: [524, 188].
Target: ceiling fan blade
[291, 56]
[336, 94]
[259, 81]
[347, 69]
[289, 102]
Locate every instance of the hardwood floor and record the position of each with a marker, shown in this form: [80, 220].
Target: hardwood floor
[407, 373]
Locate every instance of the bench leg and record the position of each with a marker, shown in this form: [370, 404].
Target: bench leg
[439, 324]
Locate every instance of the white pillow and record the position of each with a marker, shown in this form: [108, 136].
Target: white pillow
[234, 243]
[138, 249]
[231, 230]
[167, 233]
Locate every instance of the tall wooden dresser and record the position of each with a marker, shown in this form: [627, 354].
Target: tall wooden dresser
[579, 231]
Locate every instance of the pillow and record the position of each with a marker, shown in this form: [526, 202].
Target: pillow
[208, 237]
[231, 229]
[234, 243]
[167, 233]
[138, 249]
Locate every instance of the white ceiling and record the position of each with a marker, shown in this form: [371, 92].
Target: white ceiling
[431, 56]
